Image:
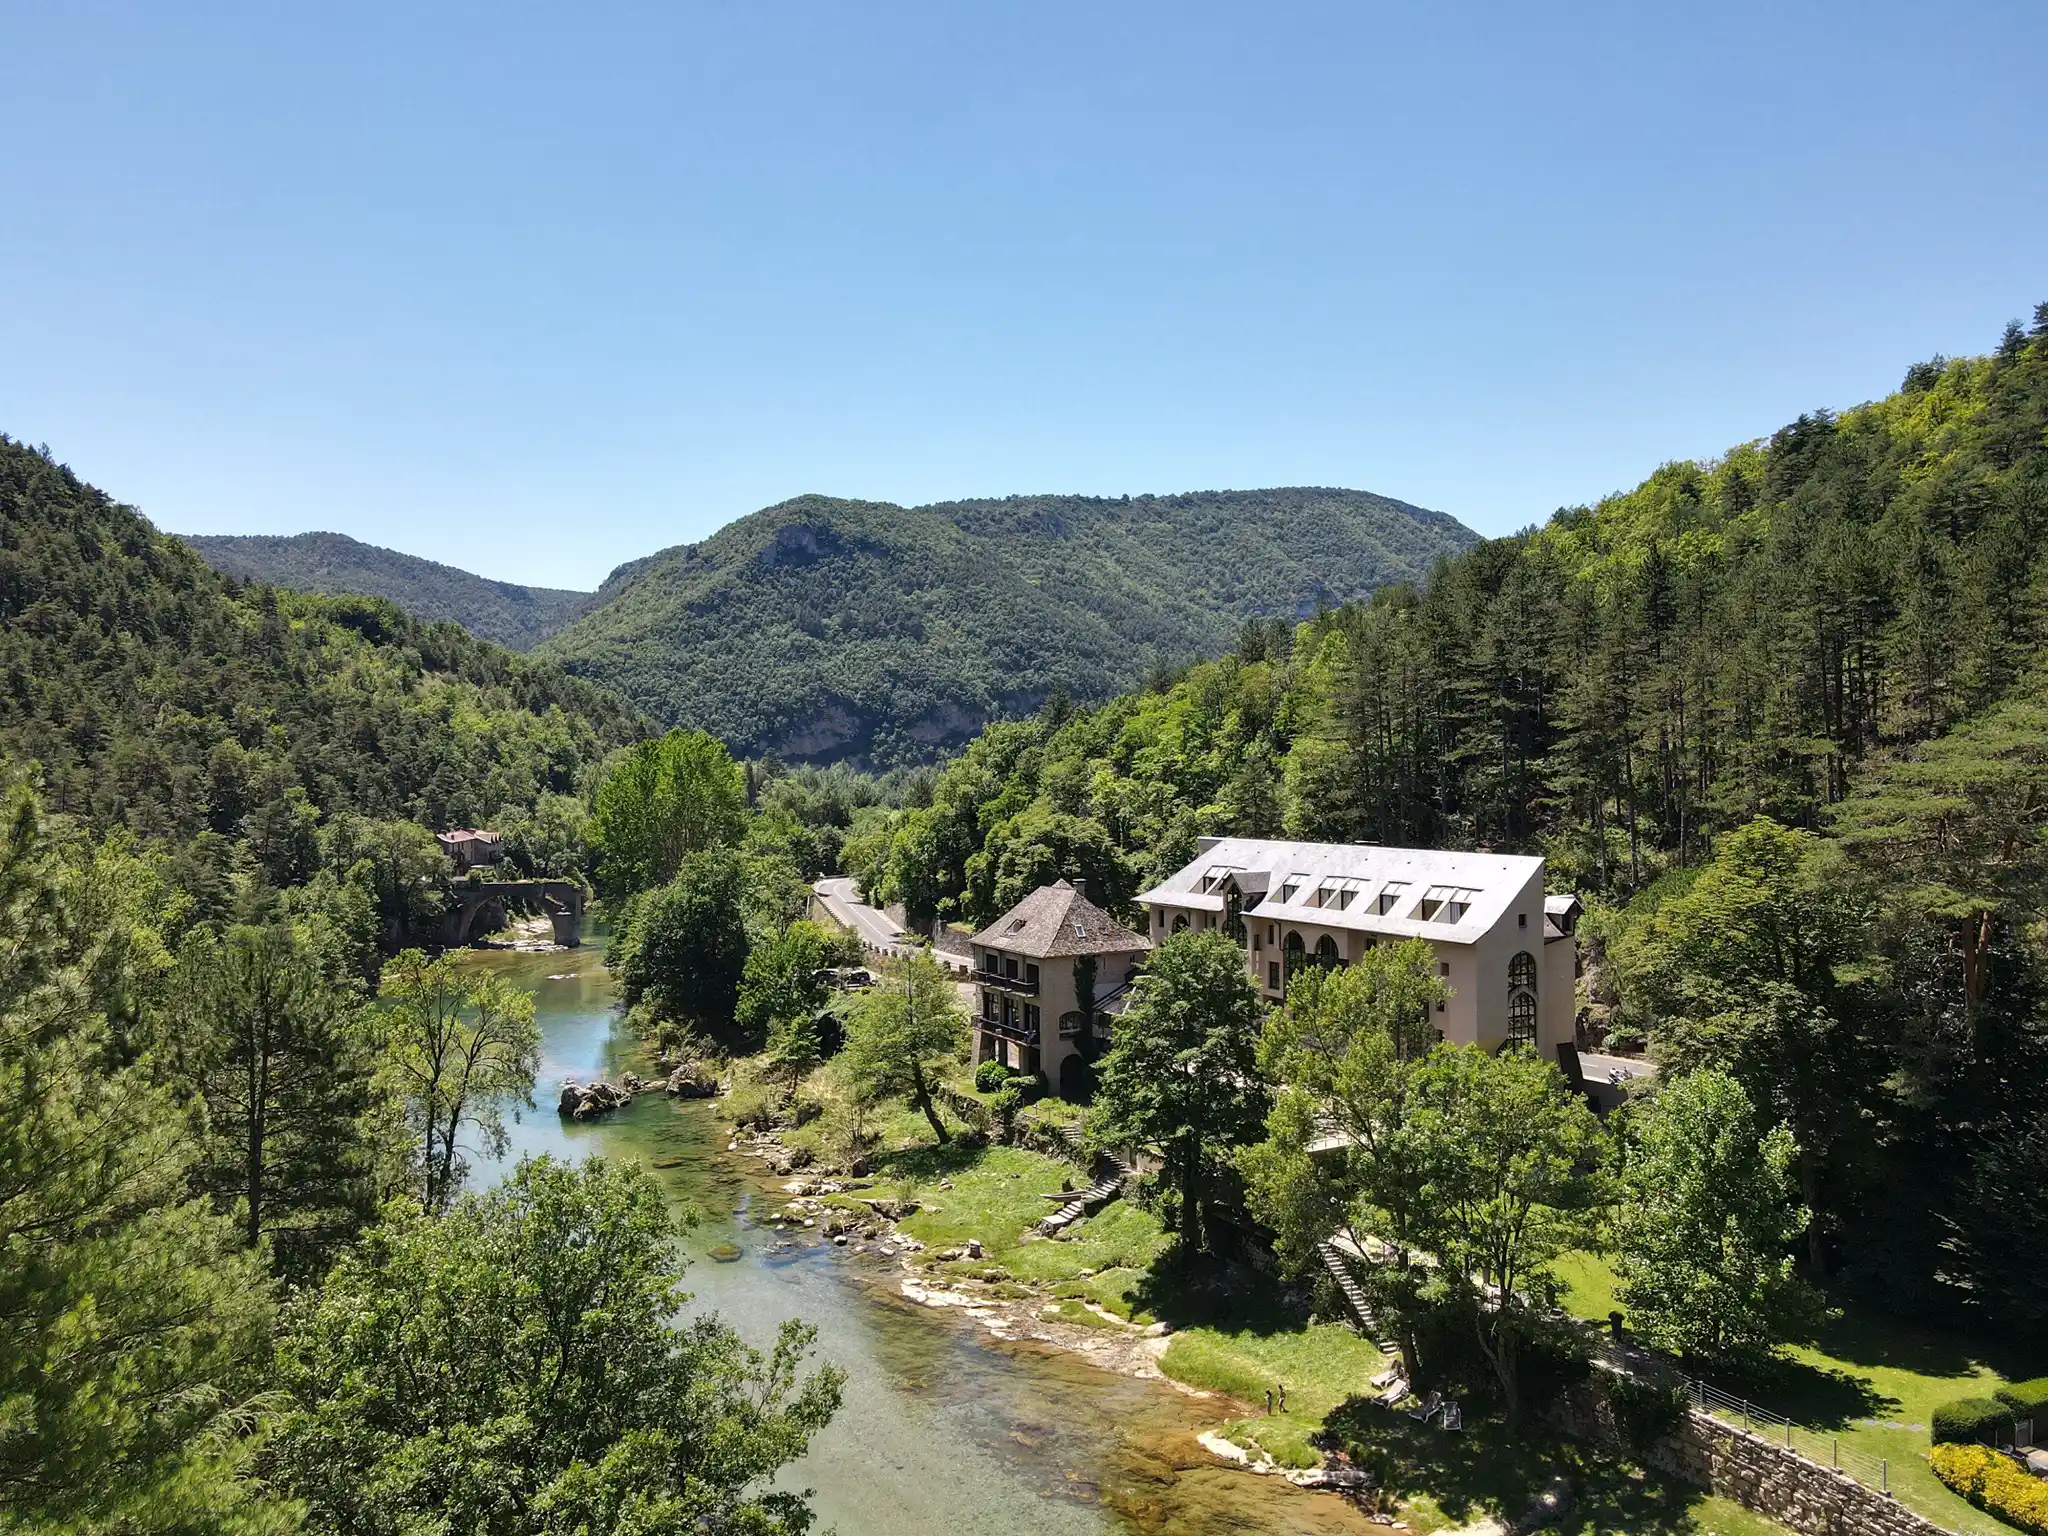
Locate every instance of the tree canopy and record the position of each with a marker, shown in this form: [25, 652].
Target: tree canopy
[1182, 1070]
[518, 1366]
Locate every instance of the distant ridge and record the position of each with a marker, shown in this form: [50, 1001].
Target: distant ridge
[513, 616]
[826, 630]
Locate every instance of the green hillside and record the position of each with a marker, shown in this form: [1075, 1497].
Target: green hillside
[499, 611]
[159, 695]
[823, 629]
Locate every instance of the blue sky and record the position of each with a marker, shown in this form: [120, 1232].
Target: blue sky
[538, 290]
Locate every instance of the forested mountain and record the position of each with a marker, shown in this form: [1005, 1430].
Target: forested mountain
[233, 721]
[829, 630]
[1831, 639]
[502, 612]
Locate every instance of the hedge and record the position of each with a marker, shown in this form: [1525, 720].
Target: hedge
[1972, 1421]
[1992, 1483]
[2027, 1399]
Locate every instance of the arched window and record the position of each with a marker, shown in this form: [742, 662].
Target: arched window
[1180, 923]
[1522, 973]
[1326, 953]
[1522, 1020]
[1293, 952]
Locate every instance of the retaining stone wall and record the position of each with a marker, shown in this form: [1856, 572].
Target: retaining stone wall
[1759, 1475]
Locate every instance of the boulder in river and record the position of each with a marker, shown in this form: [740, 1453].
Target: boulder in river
[692, 1080]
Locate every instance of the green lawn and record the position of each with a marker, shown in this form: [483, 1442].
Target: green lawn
[1869, 1381]
[998, 1195]
[1320, 1365]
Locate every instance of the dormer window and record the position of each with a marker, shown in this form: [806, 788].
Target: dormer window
[1391, 895]
[1291, 887]
[1446, 904]
[1338, 894]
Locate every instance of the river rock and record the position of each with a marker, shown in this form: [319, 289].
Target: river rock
[572, 1096]
[692, 1080]
[1341, 1478]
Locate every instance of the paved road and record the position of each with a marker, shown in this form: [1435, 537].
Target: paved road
[877, 931]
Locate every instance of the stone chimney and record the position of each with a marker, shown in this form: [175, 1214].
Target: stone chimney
[1080, 886]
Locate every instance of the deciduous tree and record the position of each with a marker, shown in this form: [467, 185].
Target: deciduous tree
[1500, 1153]
[523, 1367]
[661, 801]
[1342, 1052]
[684, 947]
[1705, 1224]
[1182, 1073]
[459, 1046]
[903, 1030]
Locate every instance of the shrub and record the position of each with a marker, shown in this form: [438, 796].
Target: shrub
[1992, 1483]
[1644, 1414]
[2028, 1400]
[1971, 1421]
[990, 1076]
[1030, 1086]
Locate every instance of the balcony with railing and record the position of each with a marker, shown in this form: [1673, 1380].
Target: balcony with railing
[1011, 1028]
[1023, 986]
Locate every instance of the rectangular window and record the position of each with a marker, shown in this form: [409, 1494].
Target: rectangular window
[1031, 1017]
[1031, 974]
[1521, 919]
[988, 1006]
[1272, 975]
[1010, 965]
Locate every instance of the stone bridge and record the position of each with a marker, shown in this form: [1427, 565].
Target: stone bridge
[482, 907]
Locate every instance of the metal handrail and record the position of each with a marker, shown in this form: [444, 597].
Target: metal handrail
[1002, 983]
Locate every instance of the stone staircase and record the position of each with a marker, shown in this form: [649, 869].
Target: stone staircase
[1108, 1185]
[1362, 1316]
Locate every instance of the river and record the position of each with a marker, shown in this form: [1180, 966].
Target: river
[943, 1429]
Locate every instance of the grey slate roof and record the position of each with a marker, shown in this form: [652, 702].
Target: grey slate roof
[1057, 920]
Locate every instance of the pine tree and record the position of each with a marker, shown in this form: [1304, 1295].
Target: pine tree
[133, 1324]
[285, 1062]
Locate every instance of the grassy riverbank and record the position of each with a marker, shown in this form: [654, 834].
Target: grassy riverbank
[1233, 1331]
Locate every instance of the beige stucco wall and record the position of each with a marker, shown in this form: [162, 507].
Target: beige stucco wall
[1056, 996]
[1476, 1013]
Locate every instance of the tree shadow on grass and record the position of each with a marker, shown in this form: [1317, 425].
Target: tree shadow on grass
[1483, 1471]
[1824, 1397]
[1862, 1336]
[1198, 1291]
[927, 1163]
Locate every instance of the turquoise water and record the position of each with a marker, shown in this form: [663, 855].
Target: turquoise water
[943, 1429]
